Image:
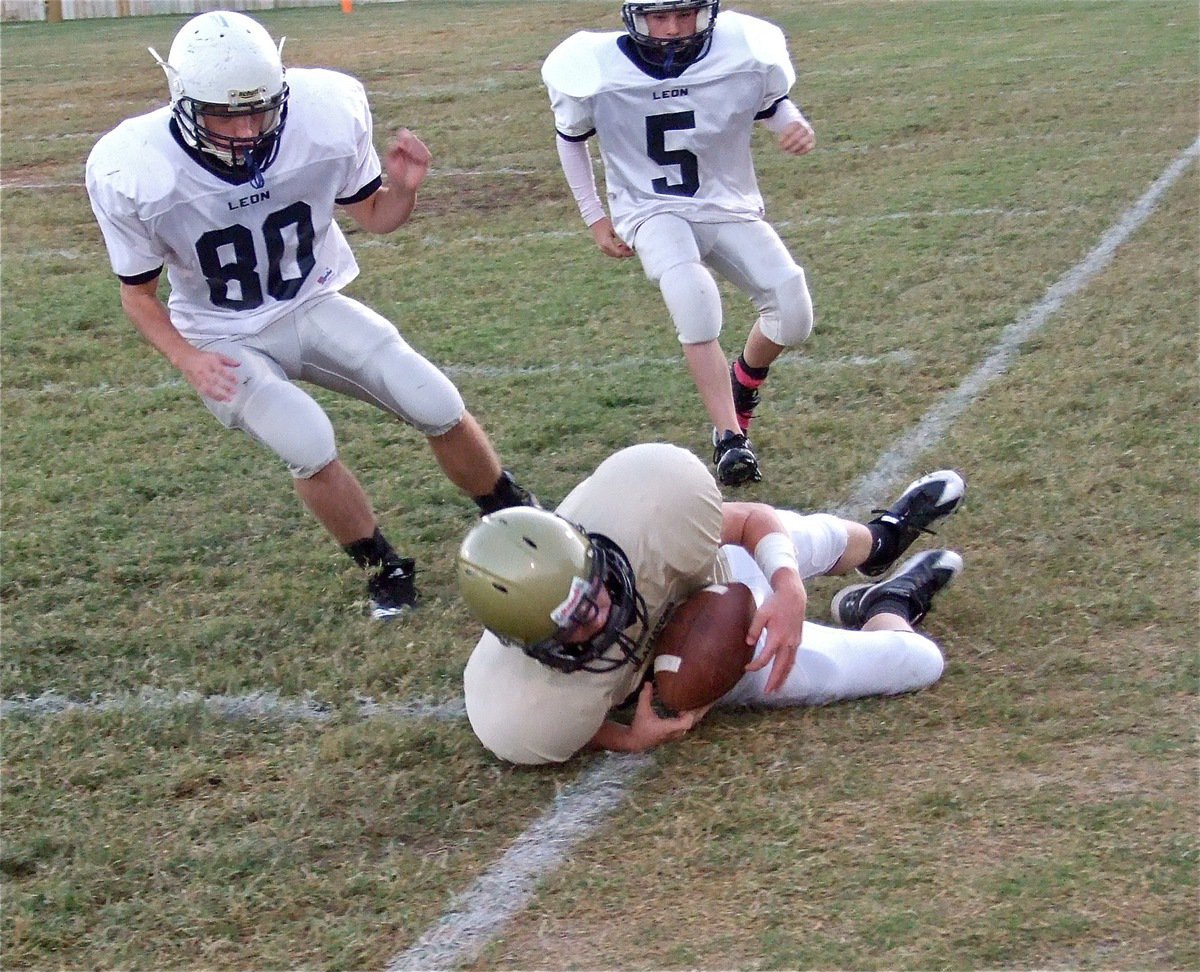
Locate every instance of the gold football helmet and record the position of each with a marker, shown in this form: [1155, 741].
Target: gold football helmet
[531, 577]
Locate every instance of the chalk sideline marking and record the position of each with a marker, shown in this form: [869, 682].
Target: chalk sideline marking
[633, 362]
[507, 886]
[459, 936]
[256, 705]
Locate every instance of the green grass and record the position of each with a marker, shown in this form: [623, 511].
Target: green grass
[1035, 809]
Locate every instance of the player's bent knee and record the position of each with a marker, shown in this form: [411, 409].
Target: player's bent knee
[437, 417]
[417, 392]
[789, 320]
[694, 302]
[922, 662]
[307, 454]
[290, 423]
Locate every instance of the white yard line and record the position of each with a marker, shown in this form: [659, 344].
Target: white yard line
[505, 888]
[256, 705]
[631, 363]
[479, 914]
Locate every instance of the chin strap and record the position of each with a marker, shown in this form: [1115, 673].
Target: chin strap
[256, 172]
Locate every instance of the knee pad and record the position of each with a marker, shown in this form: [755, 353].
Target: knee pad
[819, 538]
[694, 302]
[416, 391]
[787, 318]
[291, 424]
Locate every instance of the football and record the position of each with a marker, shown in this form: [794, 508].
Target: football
[701, 652]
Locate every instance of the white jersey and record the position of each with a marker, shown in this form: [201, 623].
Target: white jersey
[662, 507]
[673, 145]
[238, 257]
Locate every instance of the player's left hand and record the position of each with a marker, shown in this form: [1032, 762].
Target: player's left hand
[648, 729]
[407, 161]
[797, 139]
[782, 615]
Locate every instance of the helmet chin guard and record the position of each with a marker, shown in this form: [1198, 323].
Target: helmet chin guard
[627, 607]
[531, 577]
[225, 65]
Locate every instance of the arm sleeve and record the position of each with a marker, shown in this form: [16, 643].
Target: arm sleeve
[577, 167]
[782, 114]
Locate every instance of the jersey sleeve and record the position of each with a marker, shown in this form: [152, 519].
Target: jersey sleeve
[572, 75]
[133, 251]
[365, 176]
[769, 43]
[526, 713]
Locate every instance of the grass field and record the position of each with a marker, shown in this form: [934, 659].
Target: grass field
[211, 759]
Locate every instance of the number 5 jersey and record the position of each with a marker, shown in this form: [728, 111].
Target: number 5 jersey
[238, 257]
[672, 141]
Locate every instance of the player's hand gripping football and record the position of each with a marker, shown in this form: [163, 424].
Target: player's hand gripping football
[649, 729]
[782, 615]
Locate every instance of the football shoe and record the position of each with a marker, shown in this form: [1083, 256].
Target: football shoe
[929, 499]
[392, 591]
[914, 582]
[733, 455]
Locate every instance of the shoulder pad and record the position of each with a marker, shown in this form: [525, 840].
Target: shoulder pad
[573, 68]
[762, 41]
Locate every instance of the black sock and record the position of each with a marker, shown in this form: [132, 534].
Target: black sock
[892, 604]
[504, 494]
[758, 374]
[883, 544]
[371, 552]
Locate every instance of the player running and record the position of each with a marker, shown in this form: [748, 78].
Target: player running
[673, 101]
[233, 187]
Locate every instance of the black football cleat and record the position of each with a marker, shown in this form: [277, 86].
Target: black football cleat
[915, 583]
[734, 458]
[392, 591]
[929, 499]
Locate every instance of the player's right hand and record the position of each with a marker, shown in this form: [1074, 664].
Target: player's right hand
[211, 374]
[606, 238]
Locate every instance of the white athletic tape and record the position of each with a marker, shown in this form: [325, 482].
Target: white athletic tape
[667, 663]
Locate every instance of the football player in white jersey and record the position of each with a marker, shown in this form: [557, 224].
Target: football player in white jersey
[572, 602]
[232, 187]
[673, 101]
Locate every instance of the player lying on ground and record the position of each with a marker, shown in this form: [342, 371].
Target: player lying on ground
[572, 601]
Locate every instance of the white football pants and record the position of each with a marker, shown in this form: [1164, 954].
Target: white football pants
[832, 664]
[337, 343]
[677, 255]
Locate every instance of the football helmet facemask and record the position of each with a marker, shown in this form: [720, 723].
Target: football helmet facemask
[222, 65]
[668, 51]
[531, 577]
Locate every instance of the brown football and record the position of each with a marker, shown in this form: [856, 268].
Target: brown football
[702, 651]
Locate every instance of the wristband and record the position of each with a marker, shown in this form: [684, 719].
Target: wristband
[774, 551]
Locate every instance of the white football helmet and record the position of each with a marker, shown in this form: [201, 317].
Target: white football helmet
[677, 50]
[224, 64]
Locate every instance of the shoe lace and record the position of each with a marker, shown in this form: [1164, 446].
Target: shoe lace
[902, 521]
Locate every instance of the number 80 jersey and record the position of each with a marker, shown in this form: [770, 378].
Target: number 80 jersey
[238, 257]
[672, 144]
